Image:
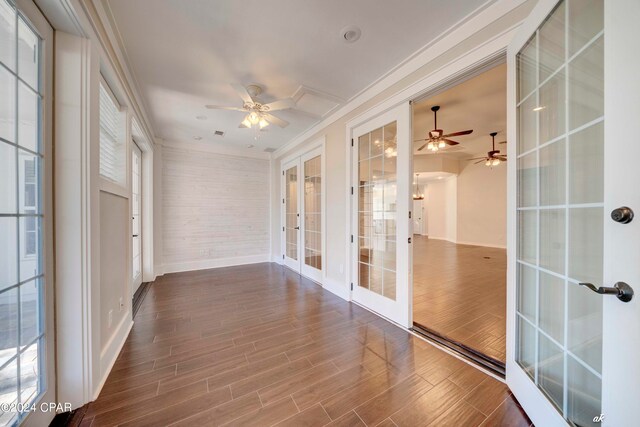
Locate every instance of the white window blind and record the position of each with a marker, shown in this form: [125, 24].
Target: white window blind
[137, 133]
[112, 153]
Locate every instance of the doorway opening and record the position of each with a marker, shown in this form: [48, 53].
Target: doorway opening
[459, 223]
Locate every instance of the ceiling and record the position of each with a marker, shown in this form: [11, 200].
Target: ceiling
[185, 54]
[479, 103]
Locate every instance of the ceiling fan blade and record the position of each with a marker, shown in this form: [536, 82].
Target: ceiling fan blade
[242, 91]
[220, 107]
[422, 147]
[282, 104]
[242, 126]
[276, 121]
[463, 132]
[503, 158]
[450, 142]
[502, 142]
[477, 158]
[480, 161]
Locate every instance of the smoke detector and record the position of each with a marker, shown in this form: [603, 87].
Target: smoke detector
[350, 34]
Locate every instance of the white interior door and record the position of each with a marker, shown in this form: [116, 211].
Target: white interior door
[291, 214]
[311, 196]
[136, 215]
[573, 94]
[381, 203]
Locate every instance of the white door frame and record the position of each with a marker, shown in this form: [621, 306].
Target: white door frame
[137, 281]
[398, 311]
[297, 159]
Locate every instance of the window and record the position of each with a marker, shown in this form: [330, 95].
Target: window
[22, 333]
[112, 149]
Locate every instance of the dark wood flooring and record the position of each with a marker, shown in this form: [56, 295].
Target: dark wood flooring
[258, 345]
[460, 292]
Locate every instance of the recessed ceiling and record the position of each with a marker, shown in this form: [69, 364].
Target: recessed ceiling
[479, 103]
[184, 54]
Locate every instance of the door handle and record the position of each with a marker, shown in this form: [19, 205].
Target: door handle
[621, 290]
[296, 228]
[135, 235]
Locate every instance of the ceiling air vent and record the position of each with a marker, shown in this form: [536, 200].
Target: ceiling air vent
[218, 133]
[269, 150]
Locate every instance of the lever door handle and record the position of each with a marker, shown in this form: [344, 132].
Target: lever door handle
[135, 235]
[621, 290]
[296, 228]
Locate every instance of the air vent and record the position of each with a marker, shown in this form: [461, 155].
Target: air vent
[218, 133]
[269, 150]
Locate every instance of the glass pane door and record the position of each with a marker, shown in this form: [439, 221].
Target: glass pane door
[136, 210]
[291, 212]
[560, 214]
[377, 155]
[313, 213]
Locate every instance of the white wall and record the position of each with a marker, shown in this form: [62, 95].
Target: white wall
[440, 209]
[215, 209]
[482, 205]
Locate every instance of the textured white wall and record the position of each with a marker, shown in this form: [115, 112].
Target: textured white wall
[440, 209]
[215, 209]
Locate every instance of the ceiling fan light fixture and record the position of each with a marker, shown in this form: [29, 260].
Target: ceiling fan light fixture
[246, 122]
[495, 162]
[430, 146]
[263, 123]
[488, 162]
[441, 144]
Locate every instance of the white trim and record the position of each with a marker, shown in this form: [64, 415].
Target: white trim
[459, 242]
[484, 16]
[337, 288]
[109, 354]
[215, 148]
[206, 264]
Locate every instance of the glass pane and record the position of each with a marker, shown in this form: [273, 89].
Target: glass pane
[586, 88]
[528, 180]
[526, 346]
[551, 109]
[552, 174]
[8, 201]
[313, 212]
[552, 239]
[7, 102]
[552, 43]
[527, 292]
[29, 167]
[377, 206]
[28, 52]
[291, 210]
[586, 168]
[30, 312]
[8, 252]
[586, 20]
[8, 35]
[584, 393]
[585, 325]
[9, 390]
[586, 235]
[552, 306]
[527, 120]
[29, 373]
[527, 69]
[28, 116]
[551, 370]
[9, 329]
[30, 243]
[527, 230]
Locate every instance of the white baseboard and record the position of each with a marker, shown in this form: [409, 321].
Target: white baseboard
[481, 244]
[441, 238]
[111, 351]
[214, 263]
[277, 259]
[338, 288]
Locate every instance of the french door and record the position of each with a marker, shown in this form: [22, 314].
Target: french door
[27, 344]
[381, 169]
[136, 216]
[302, 214]
[573, 105]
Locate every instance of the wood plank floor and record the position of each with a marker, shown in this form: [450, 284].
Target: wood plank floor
[460, 292]
[259, 346]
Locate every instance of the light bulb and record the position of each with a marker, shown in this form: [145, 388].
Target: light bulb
[488, 162]
[263, 123]
[430, 146]
[496, 162]
[435, 148]
[441, 144]
[246, 122]
[254, 118]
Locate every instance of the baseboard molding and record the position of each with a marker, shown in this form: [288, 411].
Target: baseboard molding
[214, 263]
[441, 238]
[337, 288]
[277, 259]
[480, 244]
[109, 355]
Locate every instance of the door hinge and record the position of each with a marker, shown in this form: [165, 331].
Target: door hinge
[352, 238]
[352, 286]
[282, 256]
[282, 201]
[409, 214]
[352, 191]
[352, 142]
[282, 228]
[409, 240]
[282, 173]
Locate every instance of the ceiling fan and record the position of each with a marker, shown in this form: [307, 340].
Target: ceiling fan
[436, 140]
[258, 114]
[493, 158]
